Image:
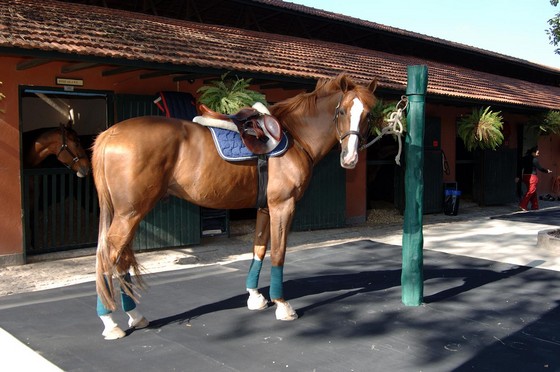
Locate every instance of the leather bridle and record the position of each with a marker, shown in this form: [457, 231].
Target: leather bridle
[342, 136]
[64, 147]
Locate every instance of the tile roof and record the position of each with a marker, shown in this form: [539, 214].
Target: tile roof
[394, 30]
[83, 30]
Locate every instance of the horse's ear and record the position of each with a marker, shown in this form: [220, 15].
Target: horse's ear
[344, 83]
[373, 85]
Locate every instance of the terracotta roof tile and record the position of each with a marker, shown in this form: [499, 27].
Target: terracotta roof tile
[94, 31]
[394, 30]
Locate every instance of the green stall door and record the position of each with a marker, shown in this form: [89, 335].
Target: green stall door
[172, 223]
[323, 205]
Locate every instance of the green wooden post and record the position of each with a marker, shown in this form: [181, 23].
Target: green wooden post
[412, 278]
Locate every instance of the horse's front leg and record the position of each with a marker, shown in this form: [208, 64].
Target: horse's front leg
[256, 300]
[280, 223]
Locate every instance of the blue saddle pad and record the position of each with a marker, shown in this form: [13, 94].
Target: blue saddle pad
[231, 147]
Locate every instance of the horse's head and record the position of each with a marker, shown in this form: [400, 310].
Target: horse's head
[351, 118]
[71, 153]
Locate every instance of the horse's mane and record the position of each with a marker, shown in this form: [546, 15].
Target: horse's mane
[307, 102]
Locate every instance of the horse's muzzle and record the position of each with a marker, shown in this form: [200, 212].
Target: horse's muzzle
[83, 171]
[348, 160]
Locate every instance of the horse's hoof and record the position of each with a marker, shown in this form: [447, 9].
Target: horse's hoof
[139, 324]
[285, 311]
[257, 301]
[113, 333]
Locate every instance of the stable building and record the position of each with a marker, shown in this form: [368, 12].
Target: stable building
[109, 61]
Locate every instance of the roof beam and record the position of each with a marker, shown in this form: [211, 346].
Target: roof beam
[30, 63]
[154, 74]
[78, 67]
[118, 70]
[193, 76]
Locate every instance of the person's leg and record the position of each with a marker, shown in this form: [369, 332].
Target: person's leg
[525, 200]
[533, 182]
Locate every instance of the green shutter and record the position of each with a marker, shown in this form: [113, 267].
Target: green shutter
[323, 205]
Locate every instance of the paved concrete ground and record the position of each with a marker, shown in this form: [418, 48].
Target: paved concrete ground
[472, 233]
[504, 239]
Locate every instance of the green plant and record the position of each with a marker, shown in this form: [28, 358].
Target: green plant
[229, 95]
[481, 129]
[546, 123]
[379, 115]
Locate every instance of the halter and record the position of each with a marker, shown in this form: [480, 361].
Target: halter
[342, 136]
[394, 126]
[64, 147]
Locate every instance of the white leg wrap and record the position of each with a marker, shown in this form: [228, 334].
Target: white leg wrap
[256, 300]
[285, 311]
[136, 319]
[112, 331]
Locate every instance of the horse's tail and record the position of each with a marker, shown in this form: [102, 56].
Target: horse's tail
[103, 266]
[110, 262]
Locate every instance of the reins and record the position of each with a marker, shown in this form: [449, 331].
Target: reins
[394, 126]
[342, 136]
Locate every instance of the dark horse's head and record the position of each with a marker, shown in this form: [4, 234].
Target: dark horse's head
[70, 151]
[62, 142]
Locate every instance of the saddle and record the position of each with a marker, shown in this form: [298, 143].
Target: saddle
[259, 131]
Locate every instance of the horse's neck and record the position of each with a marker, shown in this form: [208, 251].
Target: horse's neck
[40, 149]
[316, 134]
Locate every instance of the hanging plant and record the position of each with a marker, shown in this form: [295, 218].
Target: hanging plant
[379, 114]
[229, 95]
[481, 130]
[546, 123]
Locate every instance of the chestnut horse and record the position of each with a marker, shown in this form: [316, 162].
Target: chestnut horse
[62, 142]
[140, 160]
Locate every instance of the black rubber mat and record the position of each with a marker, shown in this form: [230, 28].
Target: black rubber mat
[478, 315]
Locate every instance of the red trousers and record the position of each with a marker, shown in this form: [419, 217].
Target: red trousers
[531, 181]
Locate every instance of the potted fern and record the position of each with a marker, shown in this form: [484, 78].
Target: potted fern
[229, 95]
[546, 123]
[482, 129]
[379, 114]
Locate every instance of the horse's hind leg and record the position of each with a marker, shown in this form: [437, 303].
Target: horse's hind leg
[136, 320]
[111, 329]
[119, 239]
[256, 300]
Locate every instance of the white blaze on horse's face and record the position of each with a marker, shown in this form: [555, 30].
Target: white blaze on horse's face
[349, 155]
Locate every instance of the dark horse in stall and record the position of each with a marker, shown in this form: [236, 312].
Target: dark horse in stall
[39, 146]
[140, 160]
[62, 142]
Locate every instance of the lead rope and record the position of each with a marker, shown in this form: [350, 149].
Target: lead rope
[394, 126]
